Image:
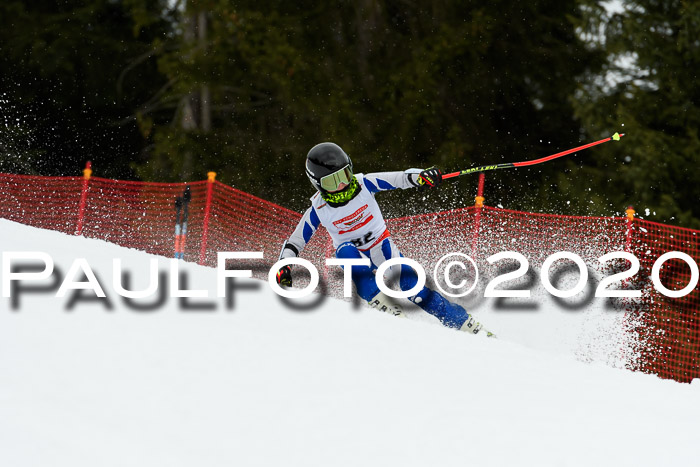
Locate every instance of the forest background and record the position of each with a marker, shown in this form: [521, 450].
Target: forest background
[166, 90]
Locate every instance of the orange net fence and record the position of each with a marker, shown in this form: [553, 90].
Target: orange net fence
[220, 218]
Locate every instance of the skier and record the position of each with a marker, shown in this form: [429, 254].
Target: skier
[345, 205]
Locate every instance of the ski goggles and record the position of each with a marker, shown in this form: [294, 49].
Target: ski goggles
[333, 181]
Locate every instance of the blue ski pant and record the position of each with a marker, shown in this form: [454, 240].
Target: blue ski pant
[450, 314]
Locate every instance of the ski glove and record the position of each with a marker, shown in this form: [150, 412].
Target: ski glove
[430, 177]
[284, 276]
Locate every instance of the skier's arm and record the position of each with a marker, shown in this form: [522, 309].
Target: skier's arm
[302, 234]
[293, 247]
[410, 178]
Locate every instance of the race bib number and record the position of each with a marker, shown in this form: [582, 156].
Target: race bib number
[363, 241]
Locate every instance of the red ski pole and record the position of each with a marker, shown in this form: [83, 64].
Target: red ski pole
[508, 165]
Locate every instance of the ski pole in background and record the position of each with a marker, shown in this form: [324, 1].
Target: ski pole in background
[186, 197]
[178, 227]
[508, 165]
[181, 216]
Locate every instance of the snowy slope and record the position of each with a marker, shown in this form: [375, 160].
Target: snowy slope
[264, 384]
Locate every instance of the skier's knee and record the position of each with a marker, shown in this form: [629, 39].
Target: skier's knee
[362, 276]
[347, 250]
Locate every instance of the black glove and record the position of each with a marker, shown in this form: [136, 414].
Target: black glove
[431, 177]
[284, 276]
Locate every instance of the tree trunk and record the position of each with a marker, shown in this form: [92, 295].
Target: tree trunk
[195, 107]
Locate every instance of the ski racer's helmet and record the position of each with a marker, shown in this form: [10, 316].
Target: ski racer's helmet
[327, 166]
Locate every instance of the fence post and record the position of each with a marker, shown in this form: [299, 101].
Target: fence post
[628, 235]
[628, 246]
[87, 173]
[211, 178]
[479, 204]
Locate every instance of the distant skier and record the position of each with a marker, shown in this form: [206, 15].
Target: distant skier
[346, 207]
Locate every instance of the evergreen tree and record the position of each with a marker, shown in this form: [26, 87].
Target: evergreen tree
[396, 84]
[69, 84]
[230, 93]
[650, 85]
[166, 91]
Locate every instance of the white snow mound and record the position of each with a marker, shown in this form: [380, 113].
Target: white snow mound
[333, 385]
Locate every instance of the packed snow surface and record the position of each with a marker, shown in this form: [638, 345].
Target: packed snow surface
[94, 384]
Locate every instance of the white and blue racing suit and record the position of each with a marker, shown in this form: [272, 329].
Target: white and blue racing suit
[358, 230]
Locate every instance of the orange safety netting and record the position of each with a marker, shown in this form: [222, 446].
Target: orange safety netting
[221, 218]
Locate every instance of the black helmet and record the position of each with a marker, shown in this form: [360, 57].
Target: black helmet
[327, 166]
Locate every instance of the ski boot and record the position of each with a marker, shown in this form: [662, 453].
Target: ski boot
[384, 303]
[473, 327]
